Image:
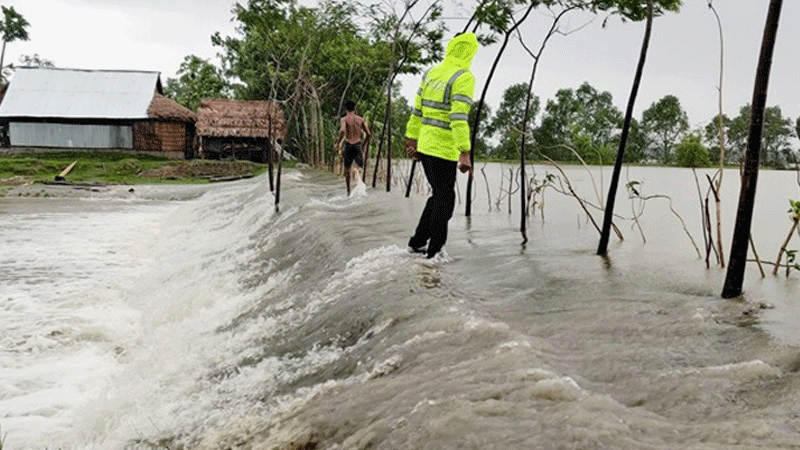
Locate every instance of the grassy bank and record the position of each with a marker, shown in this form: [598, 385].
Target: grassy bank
[117, 168]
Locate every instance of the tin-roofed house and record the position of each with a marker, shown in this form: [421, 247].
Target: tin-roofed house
[239, 129]
[48, 109]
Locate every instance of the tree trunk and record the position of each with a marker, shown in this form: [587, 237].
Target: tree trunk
[721, 139]
[378, 158]
[387, 127]
[2, 58]
[270, 151]
[389, 137]
[278, 180]
[523, 195]
[308, 149]
[744, 214]
[474, 135]
[602, 247]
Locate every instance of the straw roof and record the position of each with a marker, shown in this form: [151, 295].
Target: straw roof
[165, 108]
[220, 117]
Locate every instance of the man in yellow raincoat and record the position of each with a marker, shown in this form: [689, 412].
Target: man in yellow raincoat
[437, 134]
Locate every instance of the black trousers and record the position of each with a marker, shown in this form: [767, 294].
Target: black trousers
[432, 227]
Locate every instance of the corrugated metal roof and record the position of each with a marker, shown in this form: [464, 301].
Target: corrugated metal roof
[79, 94]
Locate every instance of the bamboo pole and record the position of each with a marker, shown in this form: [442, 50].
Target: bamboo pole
[60, 176]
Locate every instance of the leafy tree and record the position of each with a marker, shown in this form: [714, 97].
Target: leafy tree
[665, 123]
[413, 44]
[35, 61]
[307, 58]
[775, 138]
[583, 118]
[634, 10]
[197, 79]
[797, 127]
[737, 135]
[710, 137]
[312, 59]
[12, 28]
[691, 152]
[401, 111]
[776, 151]
[636, 146]
[507, 122]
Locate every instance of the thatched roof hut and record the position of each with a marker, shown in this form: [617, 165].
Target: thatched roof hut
[169, 130]
[239, 129]
[219, 117]
[165, 108]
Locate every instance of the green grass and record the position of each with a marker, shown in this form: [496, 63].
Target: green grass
[118, 168]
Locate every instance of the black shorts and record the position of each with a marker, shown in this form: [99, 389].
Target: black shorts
[352, 153]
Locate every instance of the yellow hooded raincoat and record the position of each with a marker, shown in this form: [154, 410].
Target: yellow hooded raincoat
[439, 120]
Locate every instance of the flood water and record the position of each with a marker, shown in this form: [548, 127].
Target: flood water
[198, 317]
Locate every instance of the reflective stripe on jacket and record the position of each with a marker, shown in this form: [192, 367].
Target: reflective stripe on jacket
[439, 120]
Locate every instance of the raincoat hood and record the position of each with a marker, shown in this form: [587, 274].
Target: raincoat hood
[461, 49]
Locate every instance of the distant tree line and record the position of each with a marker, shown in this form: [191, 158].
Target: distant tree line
[584, 122]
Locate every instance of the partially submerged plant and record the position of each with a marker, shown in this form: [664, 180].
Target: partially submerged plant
[794, 216]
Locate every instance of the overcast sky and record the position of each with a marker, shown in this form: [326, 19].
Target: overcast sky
[683, 59]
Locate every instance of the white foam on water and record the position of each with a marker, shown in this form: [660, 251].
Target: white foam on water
[340, 199]
[103, 311]
[359, 189]
[558, 389]
[362, 268]
[163, 386]
[62, 279]
[738, 372]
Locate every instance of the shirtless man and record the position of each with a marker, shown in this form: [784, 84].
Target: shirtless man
[353, 129]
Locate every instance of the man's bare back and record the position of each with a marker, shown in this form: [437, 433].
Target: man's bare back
[353, 127]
